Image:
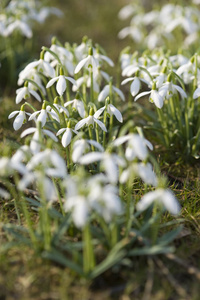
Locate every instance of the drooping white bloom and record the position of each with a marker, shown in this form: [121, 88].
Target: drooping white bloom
[109, 162]
[90, 120]
[111, 110]
[154, 96]
[35, 144]
[137, 146]
[135, 85]
[106, 90]
[20, 25]
[168, 89]
[77, 105]
[80, 146]
[53, 164]
[61, 83]
[88, 62]
[24, 93]
[43, 114]
[20, 118]
[144, 171]
[67, 136]
[161, 196]
[42, 66]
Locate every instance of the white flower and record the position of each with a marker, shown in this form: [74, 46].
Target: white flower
[135, 85]
[109, 162]
[104, 200]
[24, 93]
[155, 97]
[53, 164]
[67, 136]
[137, 146]
[90, 122]
[61, 83]
[20, 118]
[42, 66]
[168, 89]
[80, 209]
[162, 196]
[106, 90]
[21, 26]
[144, 171]
[111, 110]
[89, 62]
[42, 115]
[77, 105]
[80, 146]
[35, 144]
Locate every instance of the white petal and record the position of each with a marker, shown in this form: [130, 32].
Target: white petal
[81, 64]
[116, 112]
[157, 99]
[196, 93]
[127, 80]
[91, 158]
[51, 82]
[66, 139]
[103, 127]
[119, 92]
[28, 131]
[99, 112]
[18, 122]
[61, 85]
[81, 123]
[104, 93]
[135, 87]
[141, 95]
[35, 94]
[60, 131]
[13, 114]
[50, 134]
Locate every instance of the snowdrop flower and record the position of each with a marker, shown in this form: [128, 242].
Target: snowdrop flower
[80, 209]
[80, 146]
[105, 200]
[109, 162]
[90, 121]
[21, 26]
[155, 96]
[106, 91]
[144, 171]
[42, 66]
[61, 82]
[33, 75]
[110, 111]
[53, 163]
[161, 196]
[89, 62]
[67, 136]
[35, 144]
[42, 115]
[99, 57]
[168, 89]
[137, 146]
[42, 182]
[82, 50]
[135, 85]
[25, 93]
[20, 118]
[65, 56]
[77, 105]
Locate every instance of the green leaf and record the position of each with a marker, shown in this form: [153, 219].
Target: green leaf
[169, 236]
[157, 249]
[58, 257]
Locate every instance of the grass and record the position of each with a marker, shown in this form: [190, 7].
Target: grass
[24, 275]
